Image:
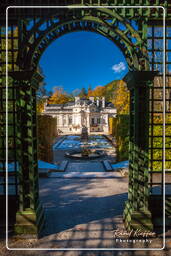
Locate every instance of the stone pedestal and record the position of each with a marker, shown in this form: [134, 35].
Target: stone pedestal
[29, 222]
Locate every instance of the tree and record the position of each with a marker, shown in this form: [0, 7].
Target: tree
[75, 92]
[59, 96]
[110, 90]
[40, 105]
[99, 91]
[41, 92]
[121, 98]
[89, 89]
[83, 92]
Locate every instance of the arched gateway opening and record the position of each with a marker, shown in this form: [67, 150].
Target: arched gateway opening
[34, 32]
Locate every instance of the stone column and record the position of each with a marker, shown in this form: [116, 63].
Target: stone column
[136, 213]
[88, 121]
[67, 120]
[60, 120]
[30, 217]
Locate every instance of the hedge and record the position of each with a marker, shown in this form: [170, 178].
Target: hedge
[46, 134]
[119, 128]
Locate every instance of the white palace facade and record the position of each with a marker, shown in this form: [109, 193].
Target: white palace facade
[72, 116]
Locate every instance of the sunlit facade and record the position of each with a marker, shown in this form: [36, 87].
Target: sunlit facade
[72, 116]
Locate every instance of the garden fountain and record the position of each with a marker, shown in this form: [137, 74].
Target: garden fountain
[85, 153]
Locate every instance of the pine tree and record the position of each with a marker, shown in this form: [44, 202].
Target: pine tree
[83, 93]
[89, 89]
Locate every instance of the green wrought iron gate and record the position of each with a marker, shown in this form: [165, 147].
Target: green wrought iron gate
[138, 32]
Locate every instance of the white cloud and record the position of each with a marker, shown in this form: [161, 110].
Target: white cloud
[118, 68]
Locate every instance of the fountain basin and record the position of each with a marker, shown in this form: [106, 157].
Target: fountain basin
[73, 142]
[79, 155]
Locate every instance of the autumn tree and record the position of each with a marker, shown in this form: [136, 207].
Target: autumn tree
[121, 98]
[89, 90]
[110, 90]
[119, 126]
[59, 96]
[99, 91]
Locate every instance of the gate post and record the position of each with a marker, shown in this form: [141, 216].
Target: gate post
[136, 212]
[30, 216]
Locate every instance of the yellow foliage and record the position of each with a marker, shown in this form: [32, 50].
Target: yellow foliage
[121, 98]
[59, 97]
[111, 125]
[99, 91]
[40, 106]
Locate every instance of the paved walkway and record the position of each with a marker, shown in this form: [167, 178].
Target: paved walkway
[83, 213]
[83, 175]
[94, 166]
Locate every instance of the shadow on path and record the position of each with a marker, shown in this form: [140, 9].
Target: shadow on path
[70, 202]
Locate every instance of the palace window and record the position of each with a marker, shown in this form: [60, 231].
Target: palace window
[70, 120]
[57, 119]
[98, 120]
[64, 120]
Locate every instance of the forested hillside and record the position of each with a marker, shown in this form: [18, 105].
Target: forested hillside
[115, 92]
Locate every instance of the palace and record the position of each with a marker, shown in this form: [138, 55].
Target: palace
[72, 116]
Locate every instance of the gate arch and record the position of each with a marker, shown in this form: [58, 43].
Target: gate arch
[133, 45]
[102, 21]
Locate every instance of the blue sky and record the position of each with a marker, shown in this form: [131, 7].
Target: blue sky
[80, 59]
